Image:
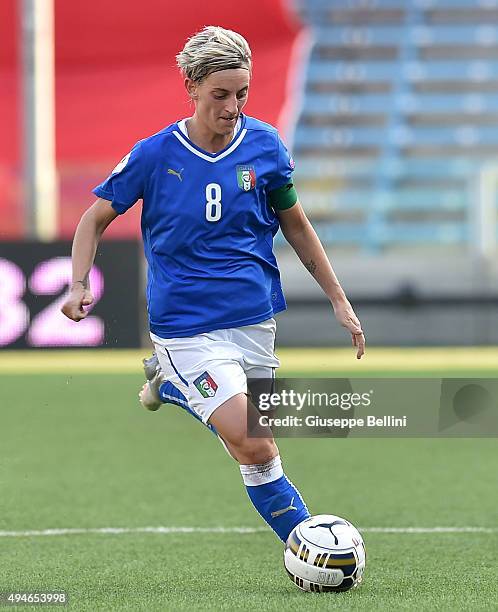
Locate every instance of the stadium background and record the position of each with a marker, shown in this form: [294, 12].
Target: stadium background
[390, 109]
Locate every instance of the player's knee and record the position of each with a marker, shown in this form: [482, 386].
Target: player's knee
[256, 450]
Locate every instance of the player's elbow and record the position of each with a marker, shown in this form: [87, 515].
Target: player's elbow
[99, 216]
[296, 232]
[294, 223]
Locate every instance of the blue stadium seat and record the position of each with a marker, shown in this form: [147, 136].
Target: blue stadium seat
[399, 112]
[434, 34]
[396, 199]
[471, 103]
[411, 71]
[344, 168]
[350, 4]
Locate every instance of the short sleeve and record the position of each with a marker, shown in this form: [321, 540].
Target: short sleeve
[282, 172]
[125, 185]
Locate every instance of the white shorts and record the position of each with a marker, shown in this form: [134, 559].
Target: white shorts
[211, 368]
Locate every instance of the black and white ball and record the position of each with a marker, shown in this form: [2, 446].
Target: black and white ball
[325, 553]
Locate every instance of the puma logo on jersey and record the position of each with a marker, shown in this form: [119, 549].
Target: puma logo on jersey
[178, 173]
[284, 510]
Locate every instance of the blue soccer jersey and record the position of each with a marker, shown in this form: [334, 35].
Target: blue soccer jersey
[207, 226]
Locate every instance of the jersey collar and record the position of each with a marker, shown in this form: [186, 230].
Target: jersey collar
[239, 133]
[182, 126]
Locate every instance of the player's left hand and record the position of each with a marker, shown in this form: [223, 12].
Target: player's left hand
[345, 314]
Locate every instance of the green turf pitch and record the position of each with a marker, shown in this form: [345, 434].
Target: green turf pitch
[77, 451]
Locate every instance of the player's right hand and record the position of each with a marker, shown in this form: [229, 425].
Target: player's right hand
[77, 299]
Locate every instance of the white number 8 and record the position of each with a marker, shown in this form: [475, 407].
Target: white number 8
[213, 204]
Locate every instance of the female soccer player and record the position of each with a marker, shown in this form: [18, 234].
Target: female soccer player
[215, 188]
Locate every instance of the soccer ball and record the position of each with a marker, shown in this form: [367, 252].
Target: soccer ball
[325, 553]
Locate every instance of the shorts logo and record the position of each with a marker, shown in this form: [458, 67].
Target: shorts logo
[246, 177]
[206, 385]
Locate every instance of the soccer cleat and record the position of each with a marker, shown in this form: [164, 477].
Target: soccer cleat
[149, 395]
[151, 366]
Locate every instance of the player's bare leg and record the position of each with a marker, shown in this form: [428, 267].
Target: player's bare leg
[232, 417]
[273, 495]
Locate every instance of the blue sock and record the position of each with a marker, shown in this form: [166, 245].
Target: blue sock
[170, 394]
[274, 496]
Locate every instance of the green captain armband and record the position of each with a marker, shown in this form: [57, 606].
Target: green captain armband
[283, 197]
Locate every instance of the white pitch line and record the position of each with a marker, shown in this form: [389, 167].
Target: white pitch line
[122, 530]
[239, 530]
[429, 529]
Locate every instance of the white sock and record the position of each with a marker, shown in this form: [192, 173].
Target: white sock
[262, 473]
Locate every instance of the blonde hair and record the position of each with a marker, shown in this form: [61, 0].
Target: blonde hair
[213, 49]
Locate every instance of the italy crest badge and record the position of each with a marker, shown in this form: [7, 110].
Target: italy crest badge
[246, 177]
